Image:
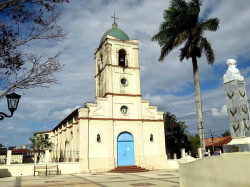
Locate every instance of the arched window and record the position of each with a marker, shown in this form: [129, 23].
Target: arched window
[100, 63]
[101, 58]
[121, 59]
[71, 135]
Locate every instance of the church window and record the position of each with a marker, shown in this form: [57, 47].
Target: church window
[124, 110]
[124, 82]
[100, 63]
[121, 59]
[71, 135]
[101, 58]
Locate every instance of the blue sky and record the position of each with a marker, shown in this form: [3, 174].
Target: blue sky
[169, 85]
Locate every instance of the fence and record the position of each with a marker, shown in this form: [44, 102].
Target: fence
[3, 156]
[24, 156]
[28, 159]
[3, 159]
[16, 159]
[53, 156]
[17, 156]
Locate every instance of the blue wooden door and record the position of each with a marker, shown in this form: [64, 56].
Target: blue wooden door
[125, 149]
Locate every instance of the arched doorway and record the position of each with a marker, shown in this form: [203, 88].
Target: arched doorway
[125, 149]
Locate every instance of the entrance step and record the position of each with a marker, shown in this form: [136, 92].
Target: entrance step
[128, 169]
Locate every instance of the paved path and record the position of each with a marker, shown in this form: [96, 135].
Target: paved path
[162, 178]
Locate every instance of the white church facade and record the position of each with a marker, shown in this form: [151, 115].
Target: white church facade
[120, 128]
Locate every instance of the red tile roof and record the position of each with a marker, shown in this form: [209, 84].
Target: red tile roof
[15, 151]
[20, 151]
[35, 133]
[218, 141]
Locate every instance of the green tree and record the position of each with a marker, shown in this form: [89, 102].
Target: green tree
[182, 25]
[176, 134]
[226, 133]
[39, 144]
[194, 142]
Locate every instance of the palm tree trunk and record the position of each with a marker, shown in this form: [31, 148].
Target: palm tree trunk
[198, 104]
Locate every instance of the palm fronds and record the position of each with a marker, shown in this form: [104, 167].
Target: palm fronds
[181, 24]
[206, 47]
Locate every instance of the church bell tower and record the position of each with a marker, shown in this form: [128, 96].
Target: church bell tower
[117, 65]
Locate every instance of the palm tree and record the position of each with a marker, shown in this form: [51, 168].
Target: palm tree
[182, 25]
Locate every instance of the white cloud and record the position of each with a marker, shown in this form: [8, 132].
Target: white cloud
[60, 115]
[10, 127]
[168, 85]
[221, 112]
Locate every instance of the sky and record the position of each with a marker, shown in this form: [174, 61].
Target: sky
[168, 84]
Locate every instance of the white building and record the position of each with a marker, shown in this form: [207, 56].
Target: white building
[119, 128]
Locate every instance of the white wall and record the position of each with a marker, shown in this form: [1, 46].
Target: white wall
[28, 169]
[227, 170]
[173, 164]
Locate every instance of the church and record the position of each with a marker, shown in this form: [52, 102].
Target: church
[120, 128]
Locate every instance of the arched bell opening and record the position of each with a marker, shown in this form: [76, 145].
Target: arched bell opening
[122, 57]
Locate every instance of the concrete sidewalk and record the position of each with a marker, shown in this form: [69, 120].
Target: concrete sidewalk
[163, 178]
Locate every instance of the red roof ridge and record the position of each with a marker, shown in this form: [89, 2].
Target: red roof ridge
[217, 141]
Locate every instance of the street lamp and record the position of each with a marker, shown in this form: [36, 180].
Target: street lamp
[12, 100]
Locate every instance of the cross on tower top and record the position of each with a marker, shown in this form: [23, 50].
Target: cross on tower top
[114, 17]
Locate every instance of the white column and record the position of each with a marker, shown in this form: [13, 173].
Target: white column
[84, 144]
[8, 161]
[175, 156]
[35, 158]
[182, 152]
[199, 152]
[47, 155]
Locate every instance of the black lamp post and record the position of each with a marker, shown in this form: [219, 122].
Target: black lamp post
[12, 100]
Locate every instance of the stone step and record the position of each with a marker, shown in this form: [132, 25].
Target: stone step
[122, 167]
[128, 169]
